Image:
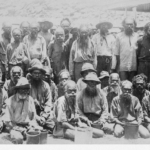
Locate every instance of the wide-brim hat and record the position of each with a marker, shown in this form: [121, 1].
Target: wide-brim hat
[87, 66]
[22, 83]
[73, 30]
[104, 74]
[109, 24]
[91, 77]
[36, 68]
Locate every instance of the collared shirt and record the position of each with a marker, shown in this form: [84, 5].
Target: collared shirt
[18, 111]
[118, 109]
[79, 55]
[95, 105]
[3, 97]
[16, 55]
[126, 47]
[36, 49]
[42, 94]
[146, 106]
[104, 45]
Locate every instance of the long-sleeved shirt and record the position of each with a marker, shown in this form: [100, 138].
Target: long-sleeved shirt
[104, 45]
[95, 105]
[119, 111]
[126, 47]
[79, 55]
[42, 94]
[3, 97]
[18, 111]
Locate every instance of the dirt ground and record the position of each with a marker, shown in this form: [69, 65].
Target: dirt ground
[108, 139]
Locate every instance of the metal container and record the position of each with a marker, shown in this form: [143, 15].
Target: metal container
[131, 131]
[43, 137]
[33, 137]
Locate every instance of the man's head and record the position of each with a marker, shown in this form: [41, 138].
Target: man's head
[22, 88]
[129, 24]
[60, 35]
[65, 24]
[86, 68]
[126, 93]
[139, 83]
[74, 32]
[48, 74]
[70, 91]
[92, 81]
[83, 36]
[17, 34]
[7, 28]
[147, 29]
[45, 25]
[63, 77]
[16, 73]
[104, 78]
[34, 29]
[25, 27]
[114, 80]
[36, 70]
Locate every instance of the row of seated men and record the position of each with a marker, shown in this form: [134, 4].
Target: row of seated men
[35, 102]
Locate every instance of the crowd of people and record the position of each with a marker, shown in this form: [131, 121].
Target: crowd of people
[66, 78]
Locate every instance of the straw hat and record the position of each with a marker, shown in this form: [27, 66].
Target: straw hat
[87, 66]
[22, 83]
[103, 74]
[91, 77]
[109, 25]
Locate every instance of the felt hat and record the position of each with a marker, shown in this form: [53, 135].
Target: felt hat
[109, 24]
[91, 77]
[44, 20]
[35, 64]
[22, 83]
[87, 66]
[103, 74]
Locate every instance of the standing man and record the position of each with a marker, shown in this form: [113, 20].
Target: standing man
[105, 45]
[82, 51]
[4, 41]
[41, 94]
[139, 87]
[126, 47]
[56, 52]
[143, 52]
[45, 26]
[17, 53]
[126, 108]
[36, 44]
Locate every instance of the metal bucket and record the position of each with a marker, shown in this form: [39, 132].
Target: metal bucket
[43, 137]
[33, 137]
[131, 131]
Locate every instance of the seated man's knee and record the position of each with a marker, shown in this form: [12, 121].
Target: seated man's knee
[118, 131]
[144, 133]
[108, 128]
[97, 133]
[16, 136]
[69, 134]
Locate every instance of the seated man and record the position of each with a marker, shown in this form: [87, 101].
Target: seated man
[65, 114]
[15, 74]
[92, 106]
[63, 77]
[41, 94]
[48, 78]
[126, 108]
[86, 68]
[113, 89]
[19, 112]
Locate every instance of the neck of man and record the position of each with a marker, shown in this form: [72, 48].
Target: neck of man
[45, 31]
[17, 42]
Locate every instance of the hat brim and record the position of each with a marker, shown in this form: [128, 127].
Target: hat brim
[50, 23]
[89, 70]
[103, 77]
[97, 81]
[22, 86]
[36, 68]
[110, 25]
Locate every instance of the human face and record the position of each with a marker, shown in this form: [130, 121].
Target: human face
[7, 30]
[45, 26]
[34, 30]
[103, 29]
[36, 74]
[16, 74]
[17, 35]
[83, 34]
[23, 93]
[60, 37]
[129, 26]
[148, 31]
[91, 84]
[127, 89]
[64, 77]
[114, 80]
[140, 85]
[47, 78]
[25, 29]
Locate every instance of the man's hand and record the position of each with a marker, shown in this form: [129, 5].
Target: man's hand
[119, 122]
[36, 102]
[47, 109]
[42, 121]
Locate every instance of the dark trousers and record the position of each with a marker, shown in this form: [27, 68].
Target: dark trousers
[103, 64]
[144, 67]
[127, 75]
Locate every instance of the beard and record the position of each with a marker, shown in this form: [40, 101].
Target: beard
[91, 92]
[140, 89]
[128, 31]
[83, 42]
[36, 83]
[103, 31]
[126, 100]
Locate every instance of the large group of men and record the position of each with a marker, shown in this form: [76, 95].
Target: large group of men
[67, 78]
